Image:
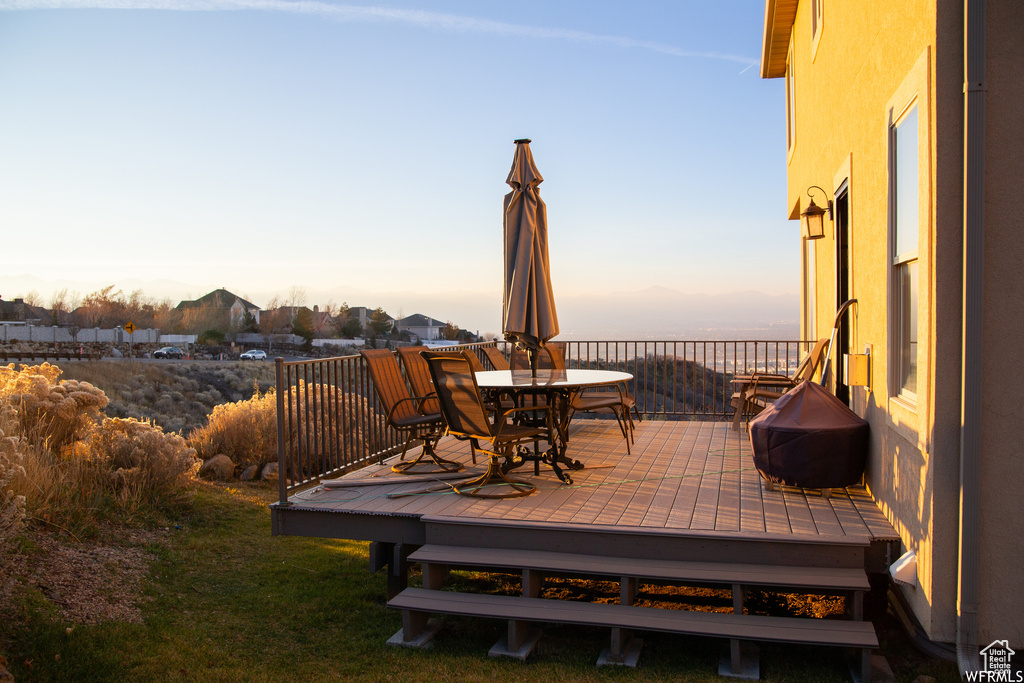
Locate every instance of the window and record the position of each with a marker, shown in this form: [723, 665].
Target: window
[904, 194]
[790, 102]
[817, 23]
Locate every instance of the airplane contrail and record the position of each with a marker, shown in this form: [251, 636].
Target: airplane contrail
[352, 13]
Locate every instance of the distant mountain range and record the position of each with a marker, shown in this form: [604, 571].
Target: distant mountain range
[652, 313]
[662, 313]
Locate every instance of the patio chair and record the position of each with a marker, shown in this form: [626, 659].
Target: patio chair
[758, 389]
[615, 400]
[404, 412]
[496, 357]
[418, 375]
[467, 418]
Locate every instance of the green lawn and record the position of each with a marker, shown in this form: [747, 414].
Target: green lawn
[226, 601]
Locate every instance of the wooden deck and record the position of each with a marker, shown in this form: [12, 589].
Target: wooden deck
[685, 507]
[683, 479]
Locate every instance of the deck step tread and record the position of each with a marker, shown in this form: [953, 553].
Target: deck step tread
[835, 578]
[858, 634]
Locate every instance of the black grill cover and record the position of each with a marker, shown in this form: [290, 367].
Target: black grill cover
[808, 438]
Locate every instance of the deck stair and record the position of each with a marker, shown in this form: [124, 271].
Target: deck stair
[741, 630]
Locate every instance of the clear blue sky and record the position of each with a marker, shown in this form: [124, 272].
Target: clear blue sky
[265, 144]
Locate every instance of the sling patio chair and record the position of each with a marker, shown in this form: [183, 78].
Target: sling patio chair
[615, 400]
[467, 418]
[758, 389]
[496, 358]
[418, 376]
[404, 412]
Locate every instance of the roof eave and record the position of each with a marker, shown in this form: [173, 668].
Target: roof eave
[779, 16]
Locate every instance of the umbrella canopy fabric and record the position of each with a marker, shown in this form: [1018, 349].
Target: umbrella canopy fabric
[528, 311]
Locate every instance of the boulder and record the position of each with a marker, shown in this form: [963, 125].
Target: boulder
[218, 467]
[269, 472]
[249, 473]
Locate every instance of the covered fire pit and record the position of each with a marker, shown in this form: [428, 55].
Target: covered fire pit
[808, 438]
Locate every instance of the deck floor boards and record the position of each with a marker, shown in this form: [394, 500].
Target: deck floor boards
[684, 476]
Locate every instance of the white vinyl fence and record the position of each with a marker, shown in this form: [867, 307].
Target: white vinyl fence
[34, 333]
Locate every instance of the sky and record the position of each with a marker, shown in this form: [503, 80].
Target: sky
[359, 151]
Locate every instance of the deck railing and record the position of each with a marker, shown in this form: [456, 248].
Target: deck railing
[329, 420]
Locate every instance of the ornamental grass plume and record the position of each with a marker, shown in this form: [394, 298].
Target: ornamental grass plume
[74, 468]
[50, 413]
[146, 463]
[245, 431]
[12, 505]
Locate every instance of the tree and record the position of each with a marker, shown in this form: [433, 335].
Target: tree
[248, 323]
[450, 331]
[379, 323]
[296, 297]
[302, 326]
[103, 308]
[351, 328]
[60, 308]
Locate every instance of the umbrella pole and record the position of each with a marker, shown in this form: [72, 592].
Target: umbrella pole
[534, 356]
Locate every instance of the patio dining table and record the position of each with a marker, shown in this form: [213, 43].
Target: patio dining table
[557, 388]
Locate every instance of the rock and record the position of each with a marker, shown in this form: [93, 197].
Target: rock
[269, 472]
[249, 473]
[116, 353]
[218, 467]
[5, 675]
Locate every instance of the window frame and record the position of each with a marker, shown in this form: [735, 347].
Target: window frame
[904, 323]
[910, 418]
[817, 25]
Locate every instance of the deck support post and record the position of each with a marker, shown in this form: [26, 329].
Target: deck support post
[434, 575]
[522, 636]
[741, 660]
[398, 569]
[624, 649]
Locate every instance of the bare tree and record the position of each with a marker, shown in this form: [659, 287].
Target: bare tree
[297, 297]
[59, 307]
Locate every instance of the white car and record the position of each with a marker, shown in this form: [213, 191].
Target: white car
[254, 354]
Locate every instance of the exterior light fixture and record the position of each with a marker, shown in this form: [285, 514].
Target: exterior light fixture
[813, 217]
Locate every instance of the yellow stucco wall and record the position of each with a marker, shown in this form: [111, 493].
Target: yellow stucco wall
[869, 62]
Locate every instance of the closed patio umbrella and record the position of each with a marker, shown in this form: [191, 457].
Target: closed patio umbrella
[528, 311]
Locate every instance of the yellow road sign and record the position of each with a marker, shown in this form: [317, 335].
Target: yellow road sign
[129, 328]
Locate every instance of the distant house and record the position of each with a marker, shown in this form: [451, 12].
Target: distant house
[421, 326]
[20, 312]
[223, 300]
[903, 122]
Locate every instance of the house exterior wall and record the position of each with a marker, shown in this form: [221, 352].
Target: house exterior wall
[868, 63]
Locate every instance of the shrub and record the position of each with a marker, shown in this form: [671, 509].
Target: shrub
[245, 431]
[65, 469]
[147, 464]
[50, 414]
[212, 337]
[12, 506]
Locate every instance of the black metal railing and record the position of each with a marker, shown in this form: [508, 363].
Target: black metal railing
[329, 420]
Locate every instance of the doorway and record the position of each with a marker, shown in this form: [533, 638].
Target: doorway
[844, 288]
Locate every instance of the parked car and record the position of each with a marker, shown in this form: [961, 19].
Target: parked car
[169, 352]
[253, 354]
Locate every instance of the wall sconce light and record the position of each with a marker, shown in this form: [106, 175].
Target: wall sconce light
[813, 217]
